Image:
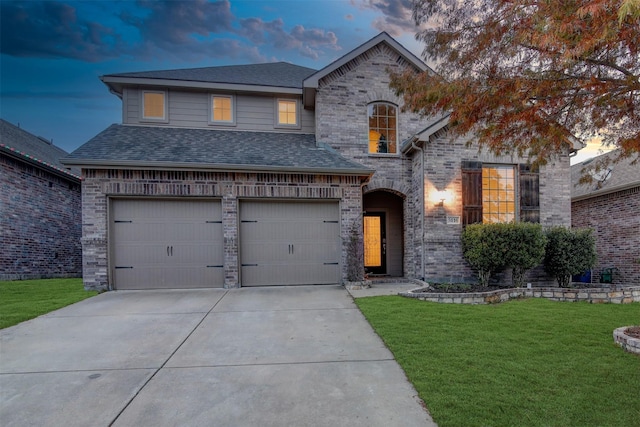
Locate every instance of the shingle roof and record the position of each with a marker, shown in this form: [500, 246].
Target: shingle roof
[277, 74]
[142, 146]
[29, 148]
[614, 177]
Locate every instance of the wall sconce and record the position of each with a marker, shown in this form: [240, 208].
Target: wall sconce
[441, 197]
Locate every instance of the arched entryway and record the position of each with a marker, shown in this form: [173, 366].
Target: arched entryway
[383, 233]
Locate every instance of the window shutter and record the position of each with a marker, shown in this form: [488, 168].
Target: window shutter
[471, 192]
[529, 194]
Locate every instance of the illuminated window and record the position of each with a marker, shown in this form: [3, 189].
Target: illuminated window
[287, 112]
[382, 128]
[498, 194]
[154, 105]
[222, 109]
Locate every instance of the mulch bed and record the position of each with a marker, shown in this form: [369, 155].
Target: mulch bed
[633, 332]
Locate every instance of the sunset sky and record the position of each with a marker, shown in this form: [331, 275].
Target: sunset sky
[52, 52]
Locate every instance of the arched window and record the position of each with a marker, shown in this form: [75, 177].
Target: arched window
[383, 132]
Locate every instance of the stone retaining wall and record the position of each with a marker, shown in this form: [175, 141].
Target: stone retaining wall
[616, 295]
[628, 343]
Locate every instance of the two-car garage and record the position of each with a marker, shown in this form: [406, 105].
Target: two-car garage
[179, 243]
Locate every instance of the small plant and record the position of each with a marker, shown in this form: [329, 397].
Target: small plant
[355, 254]
[569, 252]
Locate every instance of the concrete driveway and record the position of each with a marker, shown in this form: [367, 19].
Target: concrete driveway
[280, 356]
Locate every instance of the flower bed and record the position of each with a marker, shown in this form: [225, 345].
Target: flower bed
[628, 337]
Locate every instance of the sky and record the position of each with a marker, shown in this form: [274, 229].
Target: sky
[52, 53]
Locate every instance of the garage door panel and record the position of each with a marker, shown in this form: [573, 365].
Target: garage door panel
[167, 243]
[286, 243]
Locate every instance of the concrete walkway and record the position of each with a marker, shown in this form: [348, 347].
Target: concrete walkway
[293, 356]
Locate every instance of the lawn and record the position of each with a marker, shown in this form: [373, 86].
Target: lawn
[25, 299]
[529, 362]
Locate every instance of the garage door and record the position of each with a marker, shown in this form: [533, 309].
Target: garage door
[166, 244]
[289, 243]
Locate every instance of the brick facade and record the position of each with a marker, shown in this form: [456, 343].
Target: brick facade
[616, 223]
[341, 121]
[40, 223]
[442, 249]
[99, 185]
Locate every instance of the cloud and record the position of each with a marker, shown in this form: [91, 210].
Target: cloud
[175, 23]
[396, 15]
[53, 30]
[307, 42]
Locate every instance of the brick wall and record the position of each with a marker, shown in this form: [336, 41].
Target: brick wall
[39, 223]
[442, 171]
[615, 220]
[99, 185]
[342, 122]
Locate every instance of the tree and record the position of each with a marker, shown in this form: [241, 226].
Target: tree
[524, 76]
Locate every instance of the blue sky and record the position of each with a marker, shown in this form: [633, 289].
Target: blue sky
[52, 52]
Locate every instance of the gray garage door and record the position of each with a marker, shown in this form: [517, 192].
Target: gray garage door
[166, 244]
[289, 243]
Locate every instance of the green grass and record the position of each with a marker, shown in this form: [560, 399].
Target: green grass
[529, 362]
[25, 299]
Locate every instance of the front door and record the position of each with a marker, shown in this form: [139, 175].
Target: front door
[375, 243]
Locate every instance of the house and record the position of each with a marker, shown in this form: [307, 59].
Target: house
[610, 205]
[40, 208]
[262, 174]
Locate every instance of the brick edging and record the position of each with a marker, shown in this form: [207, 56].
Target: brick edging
[618, 295]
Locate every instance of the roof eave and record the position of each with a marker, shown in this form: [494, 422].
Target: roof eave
[69, 176]
[604, 191]
[146, 165]
[116, 84]
[424, 134]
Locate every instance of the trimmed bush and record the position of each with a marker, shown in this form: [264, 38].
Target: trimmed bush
[489, 248]
[527, 244]
[484, 247]
[569, 252]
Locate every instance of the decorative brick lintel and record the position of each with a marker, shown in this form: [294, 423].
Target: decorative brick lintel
[595, 296]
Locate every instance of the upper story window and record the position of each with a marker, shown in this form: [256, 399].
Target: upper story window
[499, 193]
[287, 114]
[154, 105]
[222, 110]
[383, 128]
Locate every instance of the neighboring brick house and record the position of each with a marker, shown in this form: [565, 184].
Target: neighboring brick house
[610, 205]
[40, 209]
[261, 174]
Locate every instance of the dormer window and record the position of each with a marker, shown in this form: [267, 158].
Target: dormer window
[154, 105]
[383, 132]
[287, 113]
[222, 110]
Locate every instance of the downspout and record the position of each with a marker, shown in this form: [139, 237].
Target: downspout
[423, 201]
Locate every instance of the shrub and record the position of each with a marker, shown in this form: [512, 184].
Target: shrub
[355, 255]
[484, 248]
[526, 249]
[569, 252]
[491, 247]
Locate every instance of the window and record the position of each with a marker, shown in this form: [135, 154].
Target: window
[287, 112]
[153, 105]
[222, 110]
[382, 128]
[499, 193]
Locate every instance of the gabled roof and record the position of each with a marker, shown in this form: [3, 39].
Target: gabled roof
[611, 178]
[28, 148]
[311, 82]
[275, 77]
[205, 149]
[434, 124]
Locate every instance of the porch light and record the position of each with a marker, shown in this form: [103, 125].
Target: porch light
[440, 197]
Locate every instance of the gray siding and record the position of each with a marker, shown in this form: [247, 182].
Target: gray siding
[191, 109]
